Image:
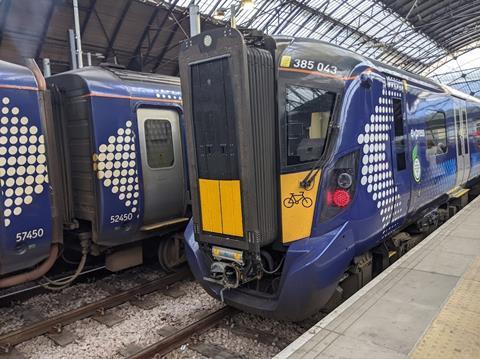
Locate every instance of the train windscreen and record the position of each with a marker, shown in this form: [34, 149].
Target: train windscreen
[308, 114]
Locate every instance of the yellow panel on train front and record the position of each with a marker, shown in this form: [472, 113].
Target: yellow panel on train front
[210, 206]
[298, 206]
[231, 202]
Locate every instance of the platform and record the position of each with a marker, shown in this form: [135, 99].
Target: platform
[425, 305]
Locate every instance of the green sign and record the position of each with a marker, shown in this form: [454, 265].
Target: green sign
[417, 167]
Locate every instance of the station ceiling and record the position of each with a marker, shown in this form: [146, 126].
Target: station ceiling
[416, 35]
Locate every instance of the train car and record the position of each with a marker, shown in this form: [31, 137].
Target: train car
[311, 166]
[119, 134]
[31, 225]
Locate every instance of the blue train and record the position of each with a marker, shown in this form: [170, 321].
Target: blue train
[30, 226]
[91, 161]
[312, 168]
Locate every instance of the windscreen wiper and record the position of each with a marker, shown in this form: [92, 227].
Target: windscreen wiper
[310, 177]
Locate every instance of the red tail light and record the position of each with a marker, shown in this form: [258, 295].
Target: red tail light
[341, 198]
[339, 186]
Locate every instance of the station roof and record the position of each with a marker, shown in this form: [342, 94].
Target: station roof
[416, 35]
[466, 80]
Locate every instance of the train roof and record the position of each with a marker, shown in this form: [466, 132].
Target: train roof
[16, 76]
[355, 59]
[110, 80]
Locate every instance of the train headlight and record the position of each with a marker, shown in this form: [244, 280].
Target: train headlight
[345, 180]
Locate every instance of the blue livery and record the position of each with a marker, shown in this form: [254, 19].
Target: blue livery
[376, 150]
[108, 173]
[27, 216]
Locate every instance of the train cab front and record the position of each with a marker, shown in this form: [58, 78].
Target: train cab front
[257, 143]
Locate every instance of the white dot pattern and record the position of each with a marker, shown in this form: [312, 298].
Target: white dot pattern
[438, 178]
[169, 95]
[116, 166]
[376, 173]
[23, 163]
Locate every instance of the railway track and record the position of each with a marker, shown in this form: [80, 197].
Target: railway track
[23, 293]
[55, 323]
[176, 339]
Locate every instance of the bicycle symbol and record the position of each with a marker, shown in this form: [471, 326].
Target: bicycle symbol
[294, 199]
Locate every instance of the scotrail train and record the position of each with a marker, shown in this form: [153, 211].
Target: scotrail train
[90, 160]
[312, 167]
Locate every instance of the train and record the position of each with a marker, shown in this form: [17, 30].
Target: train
[312, 168]
[92, 161]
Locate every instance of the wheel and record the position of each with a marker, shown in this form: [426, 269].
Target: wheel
[171, 253]
[288, 202]
[307, 202]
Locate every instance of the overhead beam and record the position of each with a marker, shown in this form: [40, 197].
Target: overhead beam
[88, 15]
[136, 53]
[288, 20]
[116, 30]
[48, 18]
[274, 15]
[160, 28]
[170, 38]
[3, 17]
[257, 13]
[101, 25]
[410, 10]
[366, 38]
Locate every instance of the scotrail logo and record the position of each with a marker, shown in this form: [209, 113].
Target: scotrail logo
[416, 134]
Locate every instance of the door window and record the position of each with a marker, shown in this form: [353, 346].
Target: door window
[159, 143]
[399, 134]
[458, 126]
[436, 134]
[476, 134]
[464, 132]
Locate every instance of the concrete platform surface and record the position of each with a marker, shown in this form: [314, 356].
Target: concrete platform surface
[425, 305]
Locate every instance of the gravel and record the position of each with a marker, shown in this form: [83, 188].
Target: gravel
[53, 303]
[95, 340]
[143, 327]
[280, 333]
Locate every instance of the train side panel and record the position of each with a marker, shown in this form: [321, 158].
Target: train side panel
[473, 110]
[124, 153]
[432, 148]
[26, 227]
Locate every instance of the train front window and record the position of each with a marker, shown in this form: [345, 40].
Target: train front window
[308, 114]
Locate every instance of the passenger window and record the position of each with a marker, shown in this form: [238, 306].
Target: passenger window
[159, 143]
[436, 134]
[399, 134]
[465, 132]
[308, 114]
[476, 134]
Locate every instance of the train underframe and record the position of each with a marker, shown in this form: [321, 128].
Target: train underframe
[311, 275]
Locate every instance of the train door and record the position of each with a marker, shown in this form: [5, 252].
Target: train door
[401, 171]
[162, 164]
[462, 143]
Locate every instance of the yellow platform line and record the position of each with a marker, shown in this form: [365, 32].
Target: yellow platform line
[455, 332]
